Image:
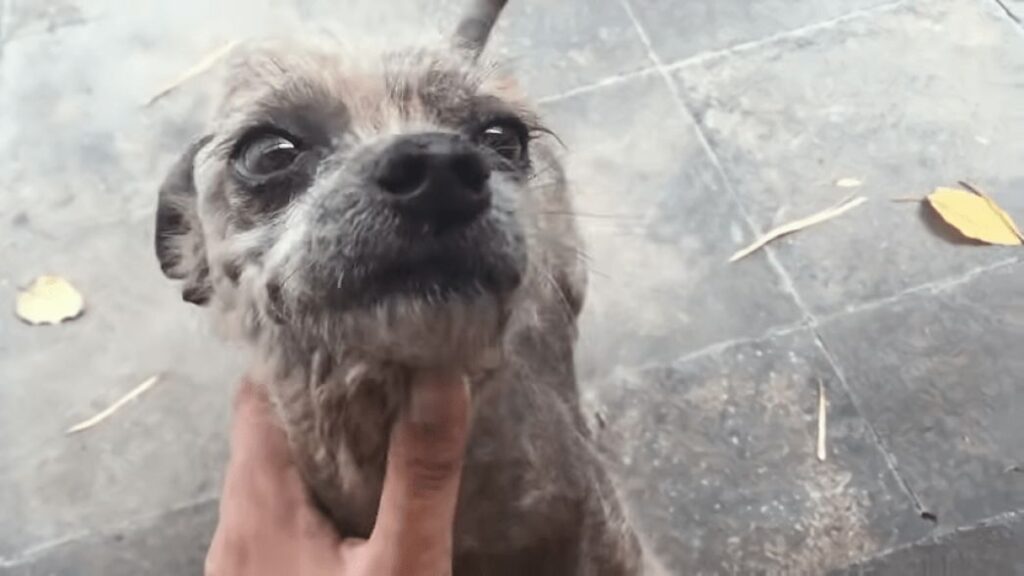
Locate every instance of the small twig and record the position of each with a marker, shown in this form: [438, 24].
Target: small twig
[844, 206]
[995, 208]
[1013, 15]
[135, 393]
[822, 421]
[971, 188]
[202, 66]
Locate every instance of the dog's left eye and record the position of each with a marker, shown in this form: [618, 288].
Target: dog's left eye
[266, 155]
[505, 139]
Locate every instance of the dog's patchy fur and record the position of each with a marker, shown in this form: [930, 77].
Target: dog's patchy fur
[292, 269]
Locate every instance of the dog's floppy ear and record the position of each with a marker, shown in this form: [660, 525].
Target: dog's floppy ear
[180, 247]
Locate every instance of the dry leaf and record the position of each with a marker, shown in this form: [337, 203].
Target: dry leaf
[975, 216]
[1002, 214]
[848, 183]
[822, 421]
[135, 393]
[838, 209]
[49, 300]
[202, 66]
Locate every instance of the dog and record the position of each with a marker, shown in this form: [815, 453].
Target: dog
[356, 217]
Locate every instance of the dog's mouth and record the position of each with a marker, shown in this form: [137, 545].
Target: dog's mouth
[441, 275]
[444, 299]
[434, 269]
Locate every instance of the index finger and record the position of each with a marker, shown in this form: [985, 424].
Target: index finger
[256, 432]
[421, 484]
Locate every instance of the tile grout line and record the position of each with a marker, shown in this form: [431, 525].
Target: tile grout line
[887, 455]
[37, 550]
[936, 287]
[930, 288]
[936, 537]
[712, 54]
[786, 279]
[705, 143]
[605, 82]
[783, 330]
[771, 39]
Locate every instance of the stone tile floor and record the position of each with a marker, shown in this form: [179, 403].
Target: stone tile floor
[692, 126]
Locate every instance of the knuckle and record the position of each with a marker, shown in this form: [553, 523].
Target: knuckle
[431, 474]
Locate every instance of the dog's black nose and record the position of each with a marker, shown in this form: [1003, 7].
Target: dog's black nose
[436, 179]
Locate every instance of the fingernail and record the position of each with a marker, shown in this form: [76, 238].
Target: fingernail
[434, 397]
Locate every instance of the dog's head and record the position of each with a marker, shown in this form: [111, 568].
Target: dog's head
[400, 205]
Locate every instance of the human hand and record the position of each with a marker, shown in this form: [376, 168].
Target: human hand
[269, 526]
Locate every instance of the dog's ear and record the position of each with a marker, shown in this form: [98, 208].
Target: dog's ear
[475, 25]
[180, 246]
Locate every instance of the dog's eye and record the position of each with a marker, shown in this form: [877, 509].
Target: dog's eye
[505, 139]
[267, 154]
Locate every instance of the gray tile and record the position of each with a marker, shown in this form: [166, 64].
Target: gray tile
[717, 460]
[165, 448]
[170, 544]
[552, 46]
[79, 124]
[659, 228]
[683, 29]
[79, 146]
[26, 17]
[82, 162]
[990, 548]
[938, 375]
[904, 101]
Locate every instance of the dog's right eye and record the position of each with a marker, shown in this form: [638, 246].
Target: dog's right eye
[265, 155]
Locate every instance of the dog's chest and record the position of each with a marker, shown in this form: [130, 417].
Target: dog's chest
[521, 483]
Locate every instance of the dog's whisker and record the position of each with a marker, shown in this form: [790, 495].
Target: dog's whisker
[563, 303]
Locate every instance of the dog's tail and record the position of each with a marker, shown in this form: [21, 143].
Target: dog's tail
[475, 26]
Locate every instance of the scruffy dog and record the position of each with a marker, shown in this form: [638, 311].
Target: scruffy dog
[354, 219]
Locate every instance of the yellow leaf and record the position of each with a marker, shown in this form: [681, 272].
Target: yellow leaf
[975, 216]
[49, 300]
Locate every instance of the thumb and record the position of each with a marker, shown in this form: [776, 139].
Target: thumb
[421, 484]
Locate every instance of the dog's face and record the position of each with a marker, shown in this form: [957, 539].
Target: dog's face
[394, 205]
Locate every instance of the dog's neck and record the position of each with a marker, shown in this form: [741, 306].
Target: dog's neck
[338, 409]
[337, 412]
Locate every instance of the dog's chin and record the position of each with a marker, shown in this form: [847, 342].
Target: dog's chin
[462, 331]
